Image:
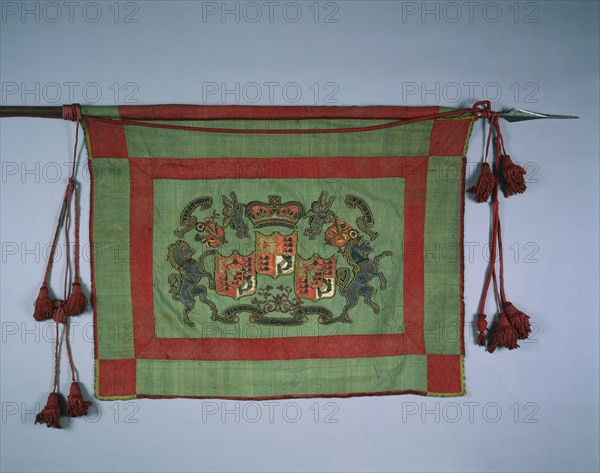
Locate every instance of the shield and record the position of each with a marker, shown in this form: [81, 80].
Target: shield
[275, 254]
[235, 275]
[315, 278]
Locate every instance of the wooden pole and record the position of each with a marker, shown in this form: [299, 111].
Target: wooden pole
[27, 111]
[512, 115]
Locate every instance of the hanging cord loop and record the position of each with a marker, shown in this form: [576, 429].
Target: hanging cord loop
[74, 302]
[512, 324]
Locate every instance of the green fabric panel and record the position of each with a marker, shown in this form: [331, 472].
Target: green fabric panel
[407, 140]
[106, 111]
[281, 377]
[112, 258]
[385, 196]
[442, 255]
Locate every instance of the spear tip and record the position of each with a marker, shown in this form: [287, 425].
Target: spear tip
[518, 115]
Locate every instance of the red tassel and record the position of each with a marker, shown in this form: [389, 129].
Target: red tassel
[485, 184]
[76, 406]
[518, 320]
[43, 305]
[512, 174]
[504, 336]
[482, 327]
[77, 302]
[50, 415]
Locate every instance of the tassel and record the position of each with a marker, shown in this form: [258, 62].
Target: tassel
[518, 320]
[482, 327]
[504, 336]
[512, 174]
[76, 406]
[50, 415]
[77, 302]
[43, 305]
[485, 184]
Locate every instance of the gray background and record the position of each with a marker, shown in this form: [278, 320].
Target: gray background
[534, 409]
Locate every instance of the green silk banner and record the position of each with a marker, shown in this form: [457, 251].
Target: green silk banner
[272, 252]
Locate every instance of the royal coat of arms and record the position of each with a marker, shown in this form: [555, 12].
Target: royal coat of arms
[275, 255]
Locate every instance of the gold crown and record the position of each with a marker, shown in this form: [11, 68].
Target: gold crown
[274, 213]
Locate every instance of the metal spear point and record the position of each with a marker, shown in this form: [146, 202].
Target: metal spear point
[519, 115]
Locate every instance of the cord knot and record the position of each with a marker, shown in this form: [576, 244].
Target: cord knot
[60, 314]
[71, 112]
[482, 109]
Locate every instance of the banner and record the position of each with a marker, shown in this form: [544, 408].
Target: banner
[272, 252]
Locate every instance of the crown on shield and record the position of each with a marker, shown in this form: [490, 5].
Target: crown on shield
[274, 213]
[235, 267]
[340, 233]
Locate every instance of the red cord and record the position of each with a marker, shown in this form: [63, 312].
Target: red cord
[70, 355]
[70, 112]
[476, 110]
[496, 231]
[56, 357]
[491, 272]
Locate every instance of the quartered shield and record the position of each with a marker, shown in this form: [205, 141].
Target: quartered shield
[275, 254]
[315, 278]
[235, 275]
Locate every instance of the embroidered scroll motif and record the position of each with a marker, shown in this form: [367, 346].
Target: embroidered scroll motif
[187, 220]
[366, 222]
[281, 302]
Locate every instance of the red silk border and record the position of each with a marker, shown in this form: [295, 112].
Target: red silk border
[253, 112]
[117, 377]
[143, 171]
